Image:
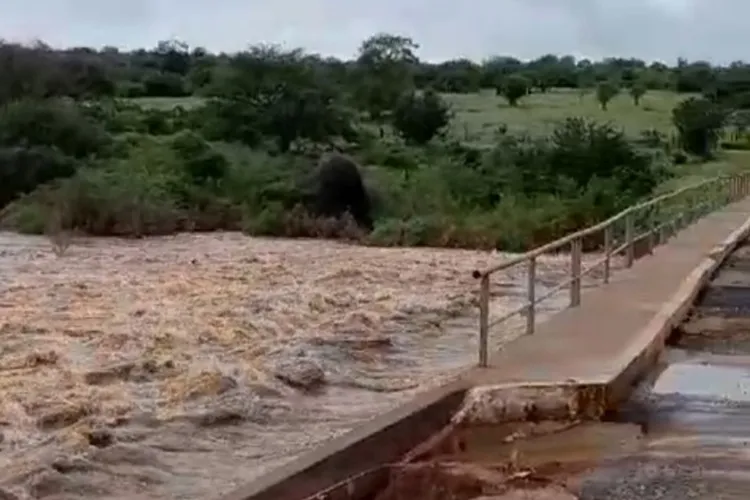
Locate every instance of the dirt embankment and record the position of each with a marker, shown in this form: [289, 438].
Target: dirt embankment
[179, 367]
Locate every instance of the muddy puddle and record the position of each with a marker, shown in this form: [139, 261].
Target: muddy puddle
[684, 432]
[182, 367]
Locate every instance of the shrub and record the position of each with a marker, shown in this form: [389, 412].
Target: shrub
[340, 190]
[605, 92]
[637, 91]
[699, 123]
[130, 89]
[679, 158]
[52, 123]
[583, 150]
[164, 85]
[736, 145]
[514, 88]
[421, 117]
[202, 162]
[24, 169]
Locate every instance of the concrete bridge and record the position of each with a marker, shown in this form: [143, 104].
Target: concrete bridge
[569, 410]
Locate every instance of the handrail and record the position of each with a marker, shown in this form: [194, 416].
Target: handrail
[588, 231]
[659, 227]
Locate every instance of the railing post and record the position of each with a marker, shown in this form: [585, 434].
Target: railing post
[607, 252]
[663, 233]
[531, 297]
[737, 188]
[576, 249]
[689, 212]
[629, 236]
[651, 236]
[484, 320]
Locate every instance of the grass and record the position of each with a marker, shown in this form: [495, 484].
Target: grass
[442, 206]
[168, 102]
[730, 162]
[478, 116]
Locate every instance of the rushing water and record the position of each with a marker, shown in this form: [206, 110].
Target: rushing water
[145, 369]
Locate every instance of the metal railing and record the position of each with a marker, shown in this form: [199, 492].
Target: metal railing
[634, 232]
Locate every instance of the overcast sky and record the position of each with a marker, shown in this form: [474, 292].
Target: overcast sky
[651, 29]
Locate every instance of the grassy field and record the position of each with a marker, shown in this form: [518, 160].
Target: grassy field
[730, 162]
[478, 116]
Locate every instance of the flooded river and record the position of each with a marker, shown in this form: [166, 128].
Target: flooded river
[181, 367]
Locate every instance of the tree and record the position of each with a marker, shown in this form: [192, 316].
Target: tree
[175, 56]
[637, 91]
[302, 114]
[386, 65]
[514, 88]
[275, 93]
[420, 117]
[699, 123]
[605, 92]
[585, 81]
[384, 49]
[739, 120]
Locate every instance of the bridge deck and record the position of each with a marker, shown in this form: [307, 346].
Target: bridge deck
[594, 342]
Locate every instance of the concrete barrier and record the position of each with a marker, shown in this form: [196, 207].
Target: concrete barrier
[645, 350]
[355, 462]
[358, 463]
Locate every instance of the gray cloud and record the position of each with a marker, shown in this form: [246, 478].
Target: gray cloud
[649, 29]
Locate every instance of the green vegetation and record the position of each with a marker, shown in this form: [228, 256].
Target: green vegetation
[479, 115]
[383, 149]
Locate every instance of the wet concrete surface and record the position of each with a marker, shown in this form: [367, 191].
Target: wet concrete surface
[696, 429]
[694, 411]
[684, 433]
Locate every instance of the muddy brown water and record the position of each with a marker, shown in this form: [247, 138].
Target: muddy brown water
[148, 369]
[684, 432]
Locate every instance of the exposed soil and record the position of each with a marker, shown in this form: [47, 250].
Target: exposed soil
[181, 367]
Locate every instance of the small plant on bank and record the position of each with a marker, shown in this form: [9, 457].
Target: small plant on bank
[59, 236]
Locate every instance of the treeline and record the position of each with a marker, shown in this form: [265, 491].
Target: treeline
[255, 152]
[173, 69]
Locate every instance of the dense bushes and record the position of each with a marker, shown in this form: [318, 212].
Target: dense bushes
[24, 169]
[522, 191]
[699, 124]
[286, 145]
[55, 123]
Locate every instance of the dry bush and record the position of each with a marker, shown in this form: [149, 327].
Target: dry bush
[300, 223]
[58, 233]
